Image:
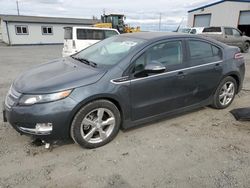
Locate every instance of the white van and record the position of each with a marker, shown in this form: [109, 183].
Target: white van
[79, 38]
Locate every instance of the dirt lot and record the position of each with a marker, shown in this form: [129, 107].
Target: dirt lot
[205, 148]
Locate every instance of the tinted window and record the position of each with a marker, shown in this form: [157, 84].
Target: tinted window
[68, 33]
[228, 31]
[89, 34]
[203, 52]
[212, 29]
[168, 53]
[110, 33]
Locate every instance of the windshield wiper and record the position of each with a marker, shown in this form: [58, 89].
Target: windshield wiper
[85, 61]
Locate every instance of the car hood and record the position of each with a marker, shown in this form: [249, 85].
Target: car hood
[58, 75]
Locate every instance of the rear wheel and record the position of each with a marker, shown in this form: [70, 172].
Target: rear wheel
[225, 93]
[96, 124]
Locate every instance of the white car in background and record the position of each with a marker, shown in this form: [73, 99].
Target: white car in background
[79, 38]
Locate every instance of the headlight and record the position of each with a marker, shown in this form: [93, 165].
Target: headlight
[33, 99]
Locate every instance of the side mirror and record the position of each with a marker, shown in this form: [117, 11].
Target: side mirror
[154, 67]
[243, 34]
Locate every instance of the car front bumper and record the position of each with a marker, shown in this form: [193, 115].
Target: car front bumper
[45, 121]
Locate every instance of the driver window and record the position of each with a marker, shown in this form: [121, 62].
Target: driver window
[236, 33]
[167, 53]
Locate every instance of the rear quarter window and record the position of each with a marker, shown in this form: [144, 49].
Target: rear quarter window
[212, 30]
[203, 52]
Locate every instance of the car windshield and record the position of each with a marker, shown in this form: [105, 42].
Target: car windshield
[110, 51]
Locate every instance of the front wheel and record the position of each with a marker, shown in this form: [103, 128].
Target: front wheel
[225, 93]
[246, 46]
[96, 124]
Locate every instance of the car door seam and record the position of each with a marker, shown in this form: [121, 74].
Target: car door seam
[152, 76]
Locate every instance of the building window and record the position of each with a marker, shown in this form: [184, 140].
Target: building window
[22, 30]
[47, 30]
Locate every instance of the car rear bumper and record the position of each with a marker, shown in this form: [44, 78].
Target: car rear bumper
[45, 121]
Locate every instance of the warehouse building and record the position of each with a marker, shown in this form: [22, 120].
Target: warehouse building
[233, 13]
[26, 30]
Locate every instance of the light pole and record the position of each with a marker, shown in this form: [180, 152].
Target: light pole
[17, 6]
[160, 22]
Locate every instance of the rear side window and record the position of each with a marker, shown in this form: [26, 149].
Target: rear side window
[228, 31]
[202, 52]
[211, 29]
[90, 34]
[68, 33]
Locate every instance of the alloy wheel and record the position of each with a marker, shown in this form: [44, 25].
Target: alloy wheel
[97, 125]
[227, 93]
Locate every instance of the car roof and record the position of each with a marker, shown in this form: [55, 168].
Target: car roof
[155, 35]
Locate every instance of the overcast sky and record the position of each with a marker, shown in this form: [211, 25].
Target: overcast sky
[138, 12]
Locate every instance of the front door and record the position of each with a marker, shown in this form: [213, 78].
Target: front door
[153, 94]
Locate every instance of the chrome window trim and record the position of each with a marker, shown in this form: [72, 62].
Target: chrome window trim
[165, 73]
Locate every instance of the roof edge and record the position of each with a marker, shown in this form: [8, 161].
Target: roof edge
[218, 2]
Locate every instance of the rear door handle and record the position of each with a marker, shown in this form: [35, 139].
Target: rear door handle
[217, 66]
[181, 75]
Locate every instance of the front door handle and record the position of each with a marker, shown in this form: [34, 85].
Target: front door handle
[181, 75]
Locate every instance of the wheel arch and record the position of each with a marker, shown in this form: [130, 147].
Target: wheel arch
[235, 76]
[107, 97]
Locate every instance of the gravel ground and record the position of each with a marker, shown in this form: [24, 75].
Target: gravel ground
[204, 148]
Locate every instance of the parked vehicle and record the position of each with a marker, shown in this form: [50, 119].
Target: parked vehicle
[121, 82]
[228, 35]
[184, 30]
[196, 30]
[79, 38]
[192, 30]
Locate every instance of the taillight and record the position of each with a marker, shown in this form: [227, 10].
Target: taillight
[238, 56]
[74, 44]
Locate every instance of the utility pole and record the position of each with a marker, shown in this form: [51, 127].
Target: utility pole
[160, 22]
[17, 6]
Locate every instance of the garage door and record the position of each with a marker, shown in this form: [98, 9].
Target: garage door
[0, 31]
[244, 18]
[202, 20]
[244, 22]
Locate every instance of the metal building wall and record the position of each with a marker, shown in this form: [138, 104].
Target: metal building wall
[223, 14]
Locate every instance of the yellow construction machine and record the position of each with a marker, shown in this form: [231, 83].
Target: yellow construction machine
[116, 21]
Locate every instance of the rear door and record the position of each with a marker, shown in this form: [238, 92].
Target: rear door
[153, 94]
[68, 40]
[204, 70]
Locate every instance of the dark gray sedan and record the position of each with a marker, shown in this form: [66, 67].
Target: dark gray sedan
[121, 82]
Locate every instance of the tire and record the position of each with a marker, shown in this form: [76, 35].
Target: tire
[96, 124]
[246, 47]
[223, 97]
